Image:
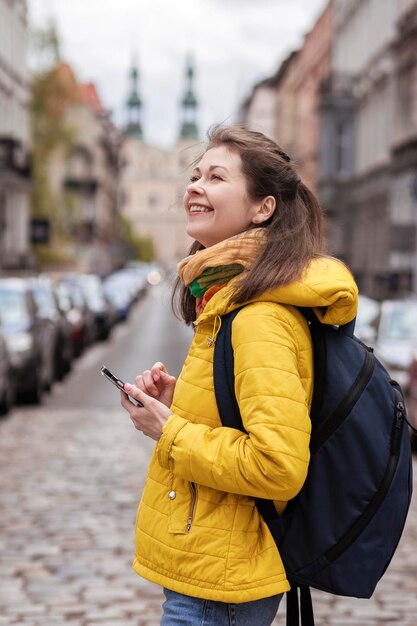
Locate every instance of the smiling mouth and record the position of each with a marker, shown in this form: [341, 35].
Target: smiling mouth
[196, 208]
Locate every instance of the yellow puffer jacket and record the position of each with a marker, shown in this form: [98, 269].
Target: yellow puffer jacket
[198, 531]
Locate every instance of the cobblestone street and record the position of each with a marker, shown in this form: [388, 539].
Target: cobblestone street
[70, 481]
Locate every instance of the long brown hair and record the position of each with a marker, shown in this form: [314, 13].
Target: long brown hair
[294, 233]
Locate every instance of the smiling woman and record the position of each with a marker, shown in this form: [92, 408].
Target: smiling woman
[258, 243]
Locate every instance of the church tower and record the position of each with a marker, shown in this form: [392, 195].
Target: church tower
[189, 106]
[134, 106]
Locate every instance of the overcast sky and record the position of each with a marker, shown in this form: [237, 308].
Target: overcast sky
[235, 43]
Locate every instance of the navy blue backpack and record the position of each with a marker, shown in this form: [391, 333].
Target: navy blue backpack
[340, 532]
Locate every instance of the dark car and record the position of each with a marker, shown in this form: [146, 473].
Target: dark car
[79, 306]
[59, 326]
[104, 311]
[7, 391]
[29, 339]
[73, 315]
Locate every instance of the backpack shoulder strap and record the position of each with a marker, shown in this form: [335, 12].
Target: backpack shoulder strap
[224, 383]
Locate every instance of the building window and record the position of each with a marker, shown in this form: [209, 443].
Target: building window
[403, 238]
[80, 164]
[2, 213]
[343, 147]
[406, 86]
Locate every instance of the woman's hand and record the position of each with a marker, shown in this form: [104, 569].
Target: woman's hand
[151, 418]
[157, 383]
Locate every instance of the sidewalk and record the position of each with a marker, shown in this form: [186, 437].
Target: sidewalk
[69, 483]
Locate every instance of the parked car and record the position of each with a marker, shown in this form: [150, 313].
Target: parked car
[119, 292]
[396, 337]
[104, 312]
[147, 273]
[29, 339]
[61, 329]
[367, 314]
[70, 284]
[7, 387]
[411, 399]
[73, 315]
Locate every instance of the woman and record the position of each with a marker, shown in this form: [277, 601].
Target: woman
[258, 240]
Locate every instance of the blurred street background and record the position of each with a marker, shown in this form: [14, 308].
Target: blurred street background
[103, 107]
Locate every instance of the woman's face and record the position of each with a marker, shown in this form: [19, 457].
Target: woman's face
[216, 200]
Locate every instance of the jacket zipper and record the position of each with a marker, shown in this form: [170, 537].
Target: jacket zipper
[345, 406]
[192, 507]
[363, 521]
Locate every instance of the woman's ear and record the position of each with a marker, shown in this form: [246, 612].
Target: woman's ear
[265, 210]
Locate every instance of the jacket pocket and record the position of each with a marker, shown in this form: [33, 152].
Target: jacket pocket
[182, 501]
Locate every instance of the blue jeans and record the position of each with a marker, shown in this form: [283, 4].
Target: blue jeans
[181, 610]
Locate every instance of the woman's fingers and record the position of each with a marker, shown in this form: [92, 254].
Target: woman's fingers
[145, 382]
[138, 394]
[154, 380]
[139, 382]
[157, 369]
[125, 402]
[149, 386]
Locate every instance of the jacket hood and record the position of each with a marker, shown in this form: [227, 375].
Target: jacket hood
[326, 286]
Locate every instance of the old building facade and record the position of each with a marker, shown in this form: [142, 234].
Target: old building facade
[14, 137]
[368, 125]
[286, 105]
[312, 67]
[403, 194]
[345, 109]
[258, 111]
[84, 182]
[152, 180]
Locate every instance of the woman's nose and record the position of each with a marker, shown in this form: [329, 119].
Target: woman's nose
[195, 188]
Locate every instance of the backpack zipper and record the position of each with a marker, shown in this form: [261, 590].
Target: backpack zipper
[320, 436]
[192, 507]
[359, 526]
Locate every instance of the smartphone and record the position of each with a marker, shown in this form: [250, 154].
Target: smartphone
[117, 382]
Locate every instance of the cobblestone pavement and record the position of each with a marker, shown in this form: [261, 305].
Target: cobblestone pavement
[69, 484]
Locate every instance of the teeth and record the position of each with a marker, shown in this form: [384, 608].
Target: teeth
[199, 209]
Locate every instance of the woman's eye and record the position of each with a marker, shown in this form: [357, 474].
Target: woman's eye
[217, 177]
[193, 179]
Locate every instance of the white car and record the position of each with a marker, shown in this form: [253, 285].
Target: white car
[396, 338]
[368, 311]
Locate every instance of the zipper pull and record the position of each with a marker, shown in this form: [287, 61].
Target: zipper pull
[190, 521]
[399, 418]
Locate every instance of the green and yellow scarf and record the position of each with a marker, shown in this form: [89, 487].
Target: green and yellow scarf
[206, 271]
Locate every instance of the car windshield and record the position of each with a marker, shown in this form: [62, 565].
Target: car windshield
[402, 322]
[12, 307]
[367, 311]
[43, 298]
[76, 294]
[92, 288]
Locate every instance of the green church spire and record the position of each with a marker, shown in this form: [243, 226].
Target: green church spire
[189, 106]
[134, 106]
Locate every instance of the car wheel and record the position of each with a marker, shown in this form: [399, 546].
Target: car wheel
[4, 404]
[10, 393]
[34, 395]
